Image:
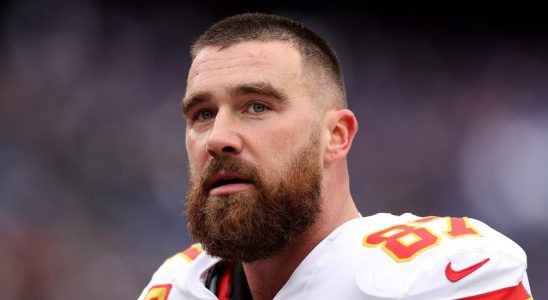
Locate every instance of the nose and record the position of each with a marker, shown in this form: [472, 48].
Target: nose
[224, 138]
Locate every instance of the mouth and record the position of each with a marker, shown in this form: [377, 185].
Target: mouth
[225, 183]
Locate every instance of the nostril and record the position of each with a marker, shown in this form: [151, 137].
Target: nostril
[228, 149]
[225, 150]
[211, 152]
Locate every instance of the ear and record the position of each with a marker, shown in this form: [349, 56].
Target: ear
[342, 129]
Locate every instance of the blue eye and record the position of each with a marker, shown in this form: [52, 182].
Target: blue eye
[204, 115]
[258, 108]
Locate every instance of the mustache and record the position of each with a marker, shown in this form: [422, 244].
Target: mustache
[227, 164]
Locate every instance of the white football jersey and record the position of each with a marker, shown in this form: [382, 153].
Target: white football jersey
[380, 257]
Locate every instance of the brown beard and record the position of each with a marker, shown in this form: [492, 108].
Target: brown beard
[260, 222]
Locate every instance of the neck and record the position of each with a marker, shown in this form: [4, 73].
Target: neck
[267, 277]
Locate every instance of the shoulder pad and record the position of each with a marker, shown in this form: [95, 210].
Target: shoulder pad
[438, 258]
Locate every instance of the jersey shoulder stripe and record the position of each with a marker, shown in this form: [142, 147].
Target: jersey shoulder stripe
[177, 266]
[517, 292]
[190, 253]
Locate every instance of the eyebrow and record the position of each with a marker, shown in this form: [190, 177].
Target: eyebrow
[255, 88]
[260, 88]
[192, 100]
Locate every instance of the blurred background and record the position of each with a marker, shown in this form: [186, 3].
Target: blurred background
[452, 102]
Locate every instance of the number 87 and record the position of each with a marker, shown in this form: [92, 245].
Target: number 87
[404, 242]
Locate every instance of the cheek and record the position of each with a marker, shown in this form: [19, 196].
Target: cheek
[285, 141]
[195, 150]
[293, 134]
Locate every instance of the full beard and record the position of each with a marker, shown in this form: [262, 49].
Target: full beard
[261, 221]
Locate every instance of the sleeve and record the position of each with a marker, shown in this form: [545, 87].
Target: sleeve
[518, 292]
[445, 258]
[483, 273]
[161, 283]
[505, 278]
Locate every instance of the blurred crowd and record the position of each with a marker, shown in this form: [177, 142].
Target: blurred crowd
[453, 121]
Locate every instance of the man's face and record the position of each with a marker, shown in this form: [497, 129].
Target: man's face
[254, 143]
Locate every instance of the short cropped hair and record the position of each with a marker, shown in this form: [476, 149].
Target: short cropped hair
[264, 27]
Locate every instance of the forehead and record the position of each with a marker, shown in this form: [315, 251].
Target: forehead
[215, 67]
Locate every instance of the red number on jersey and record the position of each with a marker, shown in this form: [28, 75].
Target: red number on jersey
[459, 227]
[403, 242]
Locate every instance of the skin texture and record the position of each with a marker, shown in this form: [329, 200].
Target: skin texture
[257, 102]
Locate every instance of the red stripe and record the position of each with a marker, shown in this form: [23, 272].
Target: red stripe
[192, 252]
[517, 292]
[223, 292]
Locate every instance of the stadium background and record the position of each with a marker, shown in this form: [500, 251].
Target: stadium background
[452, 102]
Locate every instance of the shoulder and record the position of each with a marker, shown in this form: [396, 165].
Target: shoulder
[435, 257]
[162, 280]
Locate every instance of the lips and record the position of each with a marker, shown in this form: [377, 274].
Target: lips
[224, 183]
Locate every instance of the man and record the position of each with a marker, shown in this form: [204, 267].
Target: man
[268, 132]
